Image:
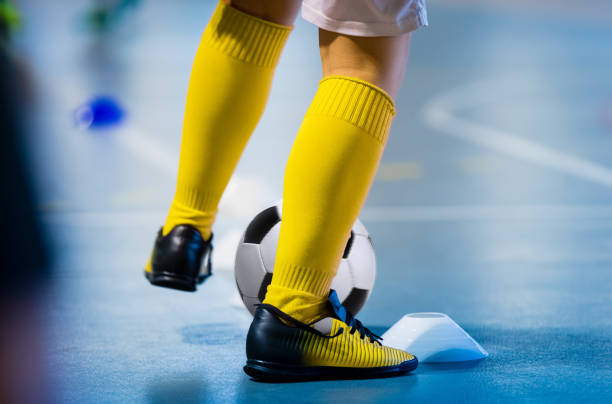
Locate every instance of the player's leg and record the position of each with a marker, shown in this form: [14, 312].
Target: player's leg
[297, 333]
[380, 61]
[277, 11]
[228, 89]
[332, 165]
[300, 331]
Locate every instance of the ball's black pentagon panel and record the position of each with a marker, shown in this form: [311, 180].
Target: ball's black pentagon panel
[256, 254]
[349, 244]
[355, 300]
[264, 286]
[261, 225]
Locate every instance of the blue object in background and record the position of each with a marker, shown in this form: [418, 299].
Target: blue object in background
[99, 112]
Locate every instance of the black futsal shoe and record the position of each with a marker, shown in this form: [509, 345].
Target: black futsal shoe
[281, 348]
[180, 260]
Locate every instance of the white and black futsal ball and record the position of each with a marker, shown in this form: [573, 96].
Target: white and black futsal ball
[257, 250]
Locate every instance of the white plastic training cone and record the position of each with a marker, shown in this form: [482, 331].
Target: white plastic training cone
[433, 337]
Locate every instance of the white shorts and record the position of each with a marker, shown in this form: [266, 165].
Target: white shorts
[366, 17]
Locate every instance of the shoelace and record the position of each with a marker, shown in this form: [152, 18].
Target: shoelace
[344, 315]
[352, 322]
[356, 325]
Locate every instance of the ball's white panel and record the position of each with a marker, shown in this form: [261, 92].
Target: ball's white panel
[343, 282]
[268, 247]
[359, 228]
[250, 303]
[249, 269]
[362, 263]
[254, 260]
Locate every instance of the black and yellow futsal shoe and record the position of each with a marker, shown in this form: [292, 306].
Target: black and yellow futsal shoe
[280, 348]
[180, 260]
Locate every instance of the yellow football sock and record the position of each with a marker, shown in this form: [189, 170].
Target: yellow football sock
[330, 169]
[228, 89]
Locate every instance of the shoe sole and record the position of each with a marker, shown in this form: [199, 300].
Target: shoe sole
[174, 281]
[269, 371]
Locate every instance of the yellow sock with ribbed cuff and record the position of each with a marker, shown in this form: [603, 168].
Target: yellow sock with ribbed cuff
[228, 89]
[329, 173]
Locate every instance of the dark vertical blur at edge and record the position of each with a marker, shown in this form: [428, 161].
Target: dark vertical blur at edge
[24, 259]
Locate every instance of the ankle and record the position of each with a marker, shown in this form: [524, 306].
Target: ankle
[302, 306]
[205, 231]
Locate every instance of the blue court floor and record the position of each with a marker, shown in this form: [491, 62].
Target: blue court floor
[493, 204]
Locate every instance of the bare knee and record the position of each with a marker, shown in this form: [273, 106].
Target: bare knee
[278, 11]
[378, 60]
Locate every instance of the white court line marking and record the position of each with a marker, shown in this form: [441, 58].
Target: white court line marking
[148, 150]
[439, 114]
[484, 212]
[244, 196]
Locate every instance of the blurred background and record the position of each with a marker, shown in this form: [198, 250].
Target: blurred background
[493, 204]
